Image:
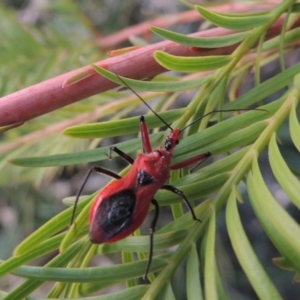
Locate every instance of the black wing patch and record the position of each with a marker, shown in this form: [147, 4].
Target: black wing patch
[115, 212]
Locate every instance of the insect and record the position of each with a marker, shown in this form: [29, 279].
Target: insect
[122, 206]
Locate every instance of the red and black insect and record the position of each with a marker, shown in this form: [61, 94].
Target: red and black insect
[122, 206]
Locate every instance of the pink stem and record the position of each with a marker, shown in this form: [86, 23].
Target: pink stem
[49, 95]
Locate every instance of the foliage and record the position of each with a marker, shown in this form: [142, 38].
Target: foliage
[239, 139]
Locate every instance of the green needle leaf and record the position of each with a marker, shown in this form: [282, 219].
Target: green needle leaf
[155, 85]
[235, 22]
[193, 287]
[255, 272]
[283, 174]
[133, 293]
[190, 64]
[266, 88]
[120, 127]
[92, 274]
[279, 226]
[80, 157]
[295, 127]
[214, 42]
[210, 266]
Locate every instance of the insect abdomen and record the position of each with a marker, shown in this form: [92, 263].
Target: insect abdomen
[113, 215]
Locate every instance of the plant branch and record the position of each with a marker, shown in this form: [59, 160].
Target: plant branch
[79, 84]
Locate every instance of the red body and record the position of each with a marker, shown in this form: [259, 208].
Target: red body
[122, 206]
[156, 164]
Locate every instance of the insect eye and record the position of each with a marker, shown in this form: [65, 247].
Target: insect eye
[177, 142]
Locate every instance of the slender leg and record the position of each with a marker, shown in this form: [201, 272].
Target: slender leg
[196, 159]
[198, 164]
[124, 155]
[92, 170]
[147, 148]
[152, 230]
[181, 194]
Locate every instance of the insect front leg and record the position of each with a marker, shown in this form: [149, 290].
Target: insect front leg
[87, 176]
[124, 155]
[181, 194]
[152, 231]
[196, 159]
[147, 148]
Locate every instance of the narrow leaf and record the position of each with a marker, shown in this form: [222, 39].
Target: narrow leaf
[283, 174]
[193, 283]
[210, 284]
[45, 247]
[190, 64]
[154, 85]
[80, 157]
[133, 293]
[266, 88]
[92, 274]
[238, 22]
[232, 141]
[186, 221]
[52, 227]
[203, 42]
[120, 127]
[279, 226]
[220, 287]
[141, 243]
[27, 287]
[255, 272]
[290, 36]
[295, 127]
[167, 293]
[223, 165]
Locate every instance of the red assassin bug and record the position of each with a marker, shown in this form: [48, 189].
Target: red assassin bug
[121, 207]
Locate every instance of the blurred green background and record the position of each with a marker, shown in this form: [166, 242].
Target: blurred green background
[63, 36]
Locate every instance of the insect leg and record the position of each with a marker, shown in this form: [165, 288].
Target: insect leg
[124, 155]
[181, 194]
[196, 159]
[152, 230]
[91, 170]
[147, 148]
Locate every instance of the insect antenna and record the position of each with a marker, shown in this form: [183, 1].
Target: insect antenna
[155, 113]
[221, 110]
